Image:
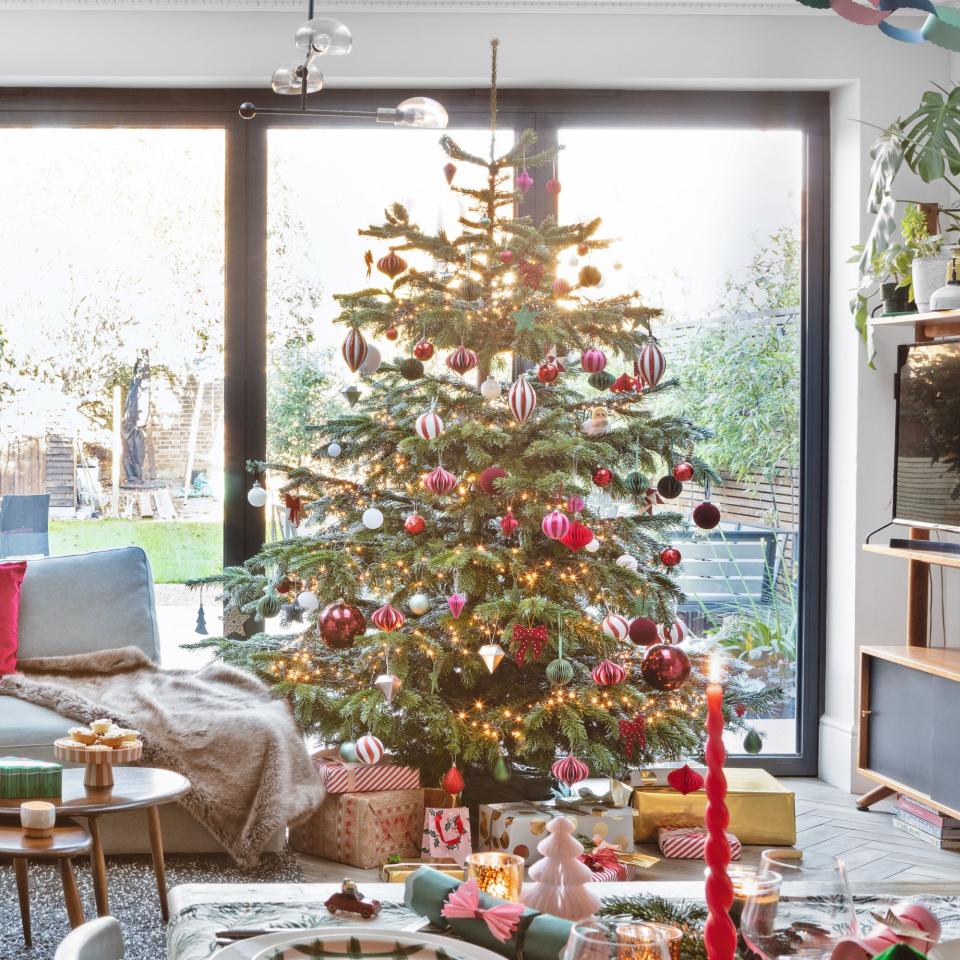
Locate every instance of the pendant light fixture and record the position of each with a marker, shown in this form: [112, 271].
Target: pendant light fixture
[326, 37]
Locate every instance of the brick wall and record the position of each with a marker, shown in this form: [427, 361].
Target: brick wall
[167, 447]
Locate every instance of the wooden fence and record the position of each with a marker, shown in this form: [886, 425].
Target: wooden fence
[31, 465]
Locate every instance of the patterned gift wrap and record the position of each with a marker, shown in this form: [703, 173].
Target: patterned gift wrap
[614, 873]
[22, 779]
[446, 834]
[363, 829]
[686, 844]
[340, 777]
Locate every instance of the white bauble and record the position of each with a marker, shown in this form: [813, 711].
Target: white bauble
[334, 450]
[308, 601]
[490, 388]
[628, 562]
[419, 604]
[574, 261]
[593, 546]
[372, 518]
[371, 362]
[256, 495]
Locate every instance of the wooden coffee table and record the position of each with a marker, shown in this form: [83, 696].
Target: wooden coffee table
[134, 788]
[68, 840]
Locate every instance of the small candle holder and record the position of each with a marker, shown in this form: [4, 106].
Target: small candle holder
[649, 941]
[744, 880]
[499, 875]
[38, 818]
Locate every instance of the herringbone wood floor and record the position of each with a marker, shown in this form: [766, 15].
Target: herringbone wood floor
[827, 821]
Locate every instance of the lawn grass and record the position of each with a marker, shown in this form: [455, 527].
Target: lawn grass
[178, 550]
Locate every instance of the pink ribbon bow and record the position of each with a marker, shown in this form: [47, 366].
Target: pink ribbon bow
[602, 857]
[464, 904]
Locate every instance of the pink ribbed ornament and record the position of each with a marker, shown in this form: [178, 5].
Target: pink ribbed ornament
[570, 770]
[608, 674]
[593, 360]
[388, 618]
[462, 360]
[524, 180]
[456, 603]
[440, 481]
[574, 503]
[555, 525]
[615, 626]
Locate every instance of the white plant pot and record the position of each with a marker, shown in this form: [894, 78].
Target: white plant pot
[929, 274]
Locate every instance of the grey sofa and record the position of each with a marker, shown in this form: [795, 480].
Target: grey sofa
[80, 604]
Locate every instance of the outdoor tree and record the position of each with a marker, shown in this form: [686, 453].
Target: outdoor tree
[481, 574]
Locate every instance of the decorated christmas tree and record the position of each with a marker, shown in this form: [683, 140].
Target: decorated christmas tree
[485, 569]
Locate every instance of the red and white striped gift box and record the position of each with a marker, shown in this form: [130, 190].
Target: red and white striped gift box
[341, 777]
[685, 843]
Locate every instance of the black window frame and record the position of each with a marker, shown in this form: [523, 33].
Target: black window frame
[546, 111]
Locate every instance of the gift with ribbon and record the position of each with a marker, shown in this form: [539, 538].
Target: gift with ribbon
[483, 920]
[604, 861]
[595, 792]
[341, 777]
[446, 834]
[685, 843]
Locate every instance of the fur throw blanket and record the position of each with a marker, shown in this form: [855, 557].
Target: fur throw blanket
[221, 728]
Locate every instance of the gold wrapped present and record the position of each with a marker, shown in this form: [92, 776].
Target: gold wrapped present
[398, 872]
[761, 809]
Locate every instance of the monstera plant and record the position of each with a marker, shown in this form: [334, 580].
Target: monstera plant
[928, 143]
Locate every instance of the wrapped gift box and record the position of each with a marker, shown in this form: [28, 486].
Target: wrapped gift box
[363, 829]
[446, 834]
[399, 871]
[761, 809]
[341, 777]
[686, 844]
[519, 827]
[22, 779]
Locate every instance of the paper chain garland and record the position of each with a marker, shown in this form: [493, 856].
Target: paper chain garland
[941, 27]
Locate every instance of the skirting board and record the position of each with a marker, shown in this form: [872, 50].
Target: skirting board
[838, 754]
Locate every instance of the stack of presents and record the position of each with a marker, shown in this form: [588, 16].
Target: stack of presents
[378, 815]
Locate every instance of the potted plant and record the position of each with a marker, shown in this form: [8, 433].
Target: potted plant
[929, 265]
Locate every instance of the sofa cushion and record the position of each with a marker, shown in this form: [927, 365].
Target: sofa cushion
[11, 576]
[27, 730]
[88, 602]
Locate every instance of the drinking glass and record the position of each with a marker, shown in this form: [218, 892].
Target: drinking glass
[596, 940]
[809, 918]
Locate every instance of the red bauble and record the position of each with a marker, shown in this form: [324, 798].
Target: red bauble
[391, 333]
[670, 556]
[439, 481]
[462, 360]
[339, 623]
[414, 524]
[577, 537]
[508, 523]
[506, 256]
[486, 478]
[685, 780]
[548, 372]
[582, 249]
[388, 618]
[623, 384]
[683, 471]
[423, 350]
[602, 477]
[553, 187]
[740, 710]
[643, 631]
[452, 781]
[669, 486]
[392, 265]
[570, 770]
[608, 674]
[449, 172]
[561, 287]
[665, 667]
[706, 515]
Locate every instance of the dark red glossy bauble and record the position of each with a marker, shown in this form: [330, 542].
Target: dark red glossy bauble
[487, 477]
[506, 257]
[706, 515]
[740, 710]
[670, 556]
[414, 524]
[423, 350]
[553, 187]
[669, 487]
[547, 372]
[391, 333]
[602, 477]
[683, 472]
[339, 624]
[643, 631]
[665, 667]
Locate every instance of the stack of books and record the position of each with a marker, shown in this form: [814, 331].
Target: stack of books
[927, 825]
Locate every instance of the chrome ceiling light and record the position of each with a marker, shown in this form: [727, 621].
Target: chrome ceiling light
[325, 37]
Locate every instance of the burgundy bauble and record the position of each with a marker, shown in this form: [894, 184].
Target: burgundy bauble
[449, 172]
[670, 556]
[506, 257]
[423, 350]
[643, 631]
[553, 187]
[487, 477]
[508, 523]
[391, 333]
[706, 515]
[669, 487]
[683, 471]
[740, 710]
[392, 265]
[665, 667]
[339, 624]
[414, 524]
[602, 477]
[547, 372]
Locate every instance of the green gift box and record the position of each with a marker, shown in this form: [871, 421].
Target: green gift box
[24, 779]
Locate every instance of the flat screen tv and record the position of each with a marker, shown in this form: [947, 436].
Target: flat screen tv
[927, 461]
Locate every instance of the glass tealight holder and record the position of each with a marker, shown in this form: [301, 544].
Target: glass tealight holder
[647, 941]
[670, 934]
[744, 880]
[498, 875]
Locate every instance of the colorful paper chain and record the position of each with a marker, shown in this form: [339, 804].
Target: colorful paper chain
[941, 27]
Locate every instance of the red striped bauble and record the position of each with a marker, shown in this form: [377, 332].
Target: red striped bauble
[555, 525]
[392, 265]
[369, 749]
[522, 399]
[675, 632]
[593, 360]
[615, 626]
[608, 674]
[388, 618]
[354, 349]
[577, 537]
[570, 770]
[439, 481]
[462, 360]
[652, 364]
[429, 426]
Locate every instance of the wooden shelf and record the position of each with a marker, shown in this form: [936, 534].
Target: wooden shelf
[940, 661]
[938, 323]
[922, 556]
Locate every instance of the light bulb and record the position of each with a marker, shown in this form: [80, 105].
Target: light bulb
[288, 80]
[324, 36]
[421, 112]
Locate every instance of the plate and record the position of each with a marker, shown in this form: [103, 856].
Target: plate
[258, 948]
[364, 946]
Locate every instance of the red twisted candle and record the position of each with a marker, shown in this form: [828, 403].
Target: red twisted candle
[720, 935]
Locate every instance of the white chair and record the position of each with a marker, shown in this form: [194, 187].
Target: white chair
[96, 940]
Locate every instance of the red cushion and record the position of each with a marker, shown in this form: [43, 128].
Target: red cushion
[11, 576]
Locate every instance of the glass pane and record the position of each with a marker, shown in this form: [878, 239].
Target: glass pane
[112, 346]
[709, 230]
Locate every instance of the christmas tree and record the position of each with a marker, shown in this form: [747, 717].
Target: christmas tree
[483, 575]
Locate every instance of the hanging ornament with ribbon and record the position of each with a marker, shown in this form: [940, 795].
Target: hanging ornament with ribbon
[528, 638]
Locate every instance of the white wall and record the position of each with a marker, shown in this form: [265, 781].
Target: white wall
[870, 77]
